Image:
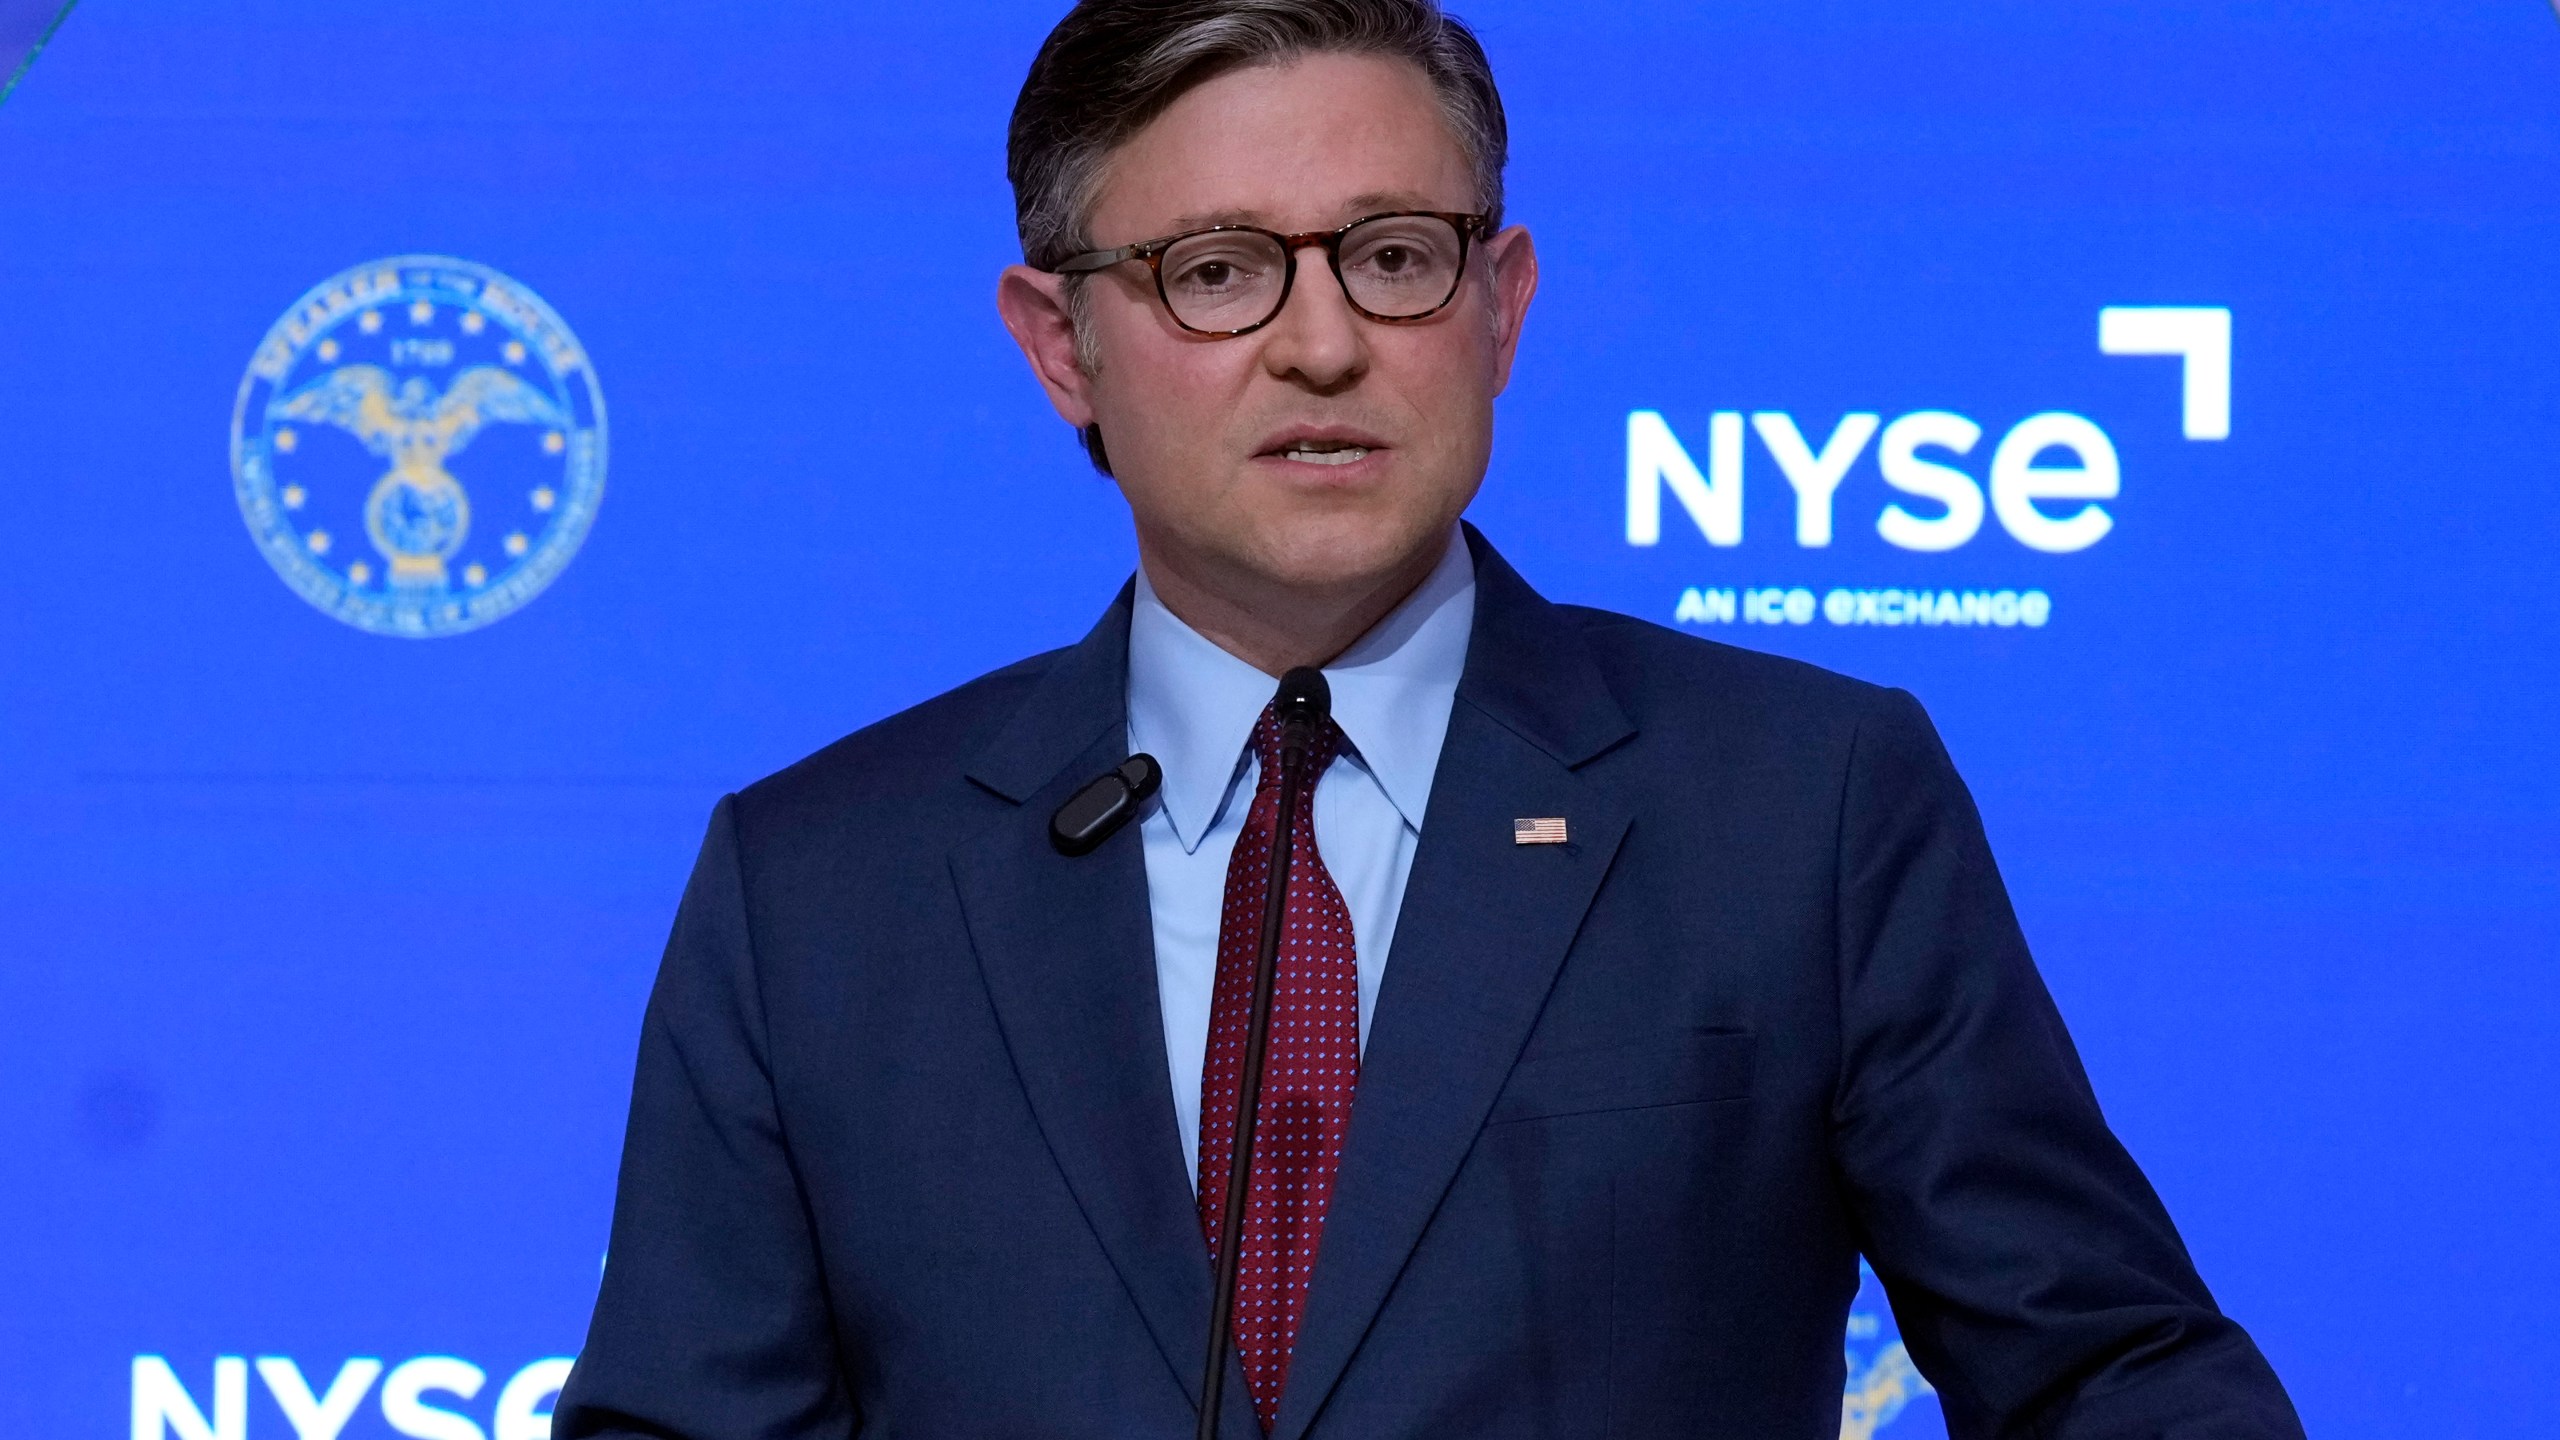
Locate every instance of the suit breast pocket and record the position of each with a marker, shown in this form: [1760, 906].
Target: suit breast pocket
[1681, 1068]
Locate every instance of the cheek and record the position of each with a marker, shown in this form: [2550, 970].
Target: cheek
[1162, 391]
[1450, 385]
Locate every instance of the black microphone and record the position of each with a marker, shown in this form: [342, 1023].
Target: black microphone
[1096, 812]
[1302, 705]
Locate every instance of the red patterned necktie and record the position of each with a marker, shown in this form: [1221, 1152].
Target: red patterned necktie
[1307, 1076]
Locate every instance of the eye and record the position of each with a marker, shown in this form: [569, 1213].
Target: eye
[1209, 275]
[1402, 252]
[1217, 266]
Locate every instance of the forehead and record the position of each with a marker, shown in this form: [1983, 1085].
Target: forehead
[1301, 144]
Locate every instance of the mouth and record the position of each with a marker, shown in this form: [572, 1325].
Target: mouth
[1321, 447]
[1325, 454]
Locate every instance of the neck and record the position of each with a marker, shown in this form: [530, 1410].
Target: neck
[1276, 627]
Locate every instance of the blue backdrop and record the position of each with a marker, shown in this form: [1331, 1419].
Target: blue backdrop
[322, 950]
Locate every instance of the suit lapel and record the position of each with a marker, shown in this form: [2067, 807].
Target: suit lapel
[1483, 930]
[1067, 951]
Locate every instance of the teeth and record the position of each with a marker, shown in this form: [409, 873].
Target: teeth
[1343, 456]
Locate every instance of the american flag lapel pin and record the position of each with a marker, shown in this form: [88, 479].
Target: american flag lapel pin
[1538, 830]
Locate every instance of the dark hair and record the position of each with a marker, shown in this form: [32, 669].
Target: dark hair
[1113, 65]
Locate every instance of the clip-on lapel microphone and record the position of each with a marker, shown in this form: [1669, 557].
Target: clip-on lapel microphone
[1096, 812]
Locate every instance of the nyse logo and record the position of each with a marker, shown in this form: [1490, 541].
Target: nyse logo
[2049, 475]
[428, 1398]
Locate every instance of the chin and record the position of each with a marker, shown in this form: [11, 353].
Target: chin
[1345, 550]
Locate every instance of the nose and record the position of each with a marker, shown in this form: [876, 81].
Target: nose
[1317, 340]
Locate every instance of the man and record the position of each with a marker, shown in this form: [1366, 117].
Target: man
[1576, 1137]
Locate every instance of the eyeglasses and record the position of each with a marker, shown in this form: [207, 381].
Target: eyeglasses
[1234, 279]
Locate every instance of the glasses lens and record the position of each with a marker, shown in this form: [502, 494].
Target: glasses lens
[1223, 280]
[1401, 265]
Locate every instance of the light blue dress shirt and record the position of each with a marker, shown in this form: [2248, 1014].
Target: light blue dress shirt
[1193, 707]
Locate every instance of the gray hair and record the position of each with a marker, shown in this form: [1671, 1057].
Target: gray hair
[1113, 65]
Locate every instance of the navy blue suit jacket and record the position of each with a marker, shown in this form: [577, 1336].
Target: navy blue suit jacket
[902, 1158]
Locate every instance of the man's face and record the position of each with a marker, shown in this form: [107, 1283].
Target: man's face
[1325, 452]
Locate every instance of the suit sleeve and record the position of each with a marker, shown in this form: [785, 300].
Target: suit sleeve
[2035, 1276]
[712, 1321]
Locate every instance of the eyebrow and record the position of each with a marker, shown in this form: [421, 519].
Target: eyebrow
[1371, 203]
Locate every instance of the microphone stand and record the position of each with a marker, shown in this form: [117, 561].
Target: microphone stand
[1302, 706]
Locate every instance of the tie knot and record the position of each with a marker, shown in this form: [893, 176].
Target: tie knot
[1266, 750]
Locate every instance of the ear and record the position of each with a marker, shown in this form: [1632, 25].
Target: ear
[1514, 263]
[1034, 306]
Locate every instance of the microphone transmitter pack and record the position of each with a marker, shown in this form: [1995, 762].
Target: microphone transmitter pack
[1096, 812]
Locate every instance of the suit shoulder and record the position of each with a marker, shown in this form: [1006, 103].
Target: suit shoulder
[1698, 702]
[1650, 665]
[900, 759]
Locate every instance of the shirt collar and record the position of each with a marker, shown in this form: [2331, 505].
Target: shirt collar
[1193, 706]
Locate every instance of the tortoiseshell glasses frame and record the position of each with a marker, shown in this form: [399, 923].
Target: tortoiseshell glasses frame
[1201, 249]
